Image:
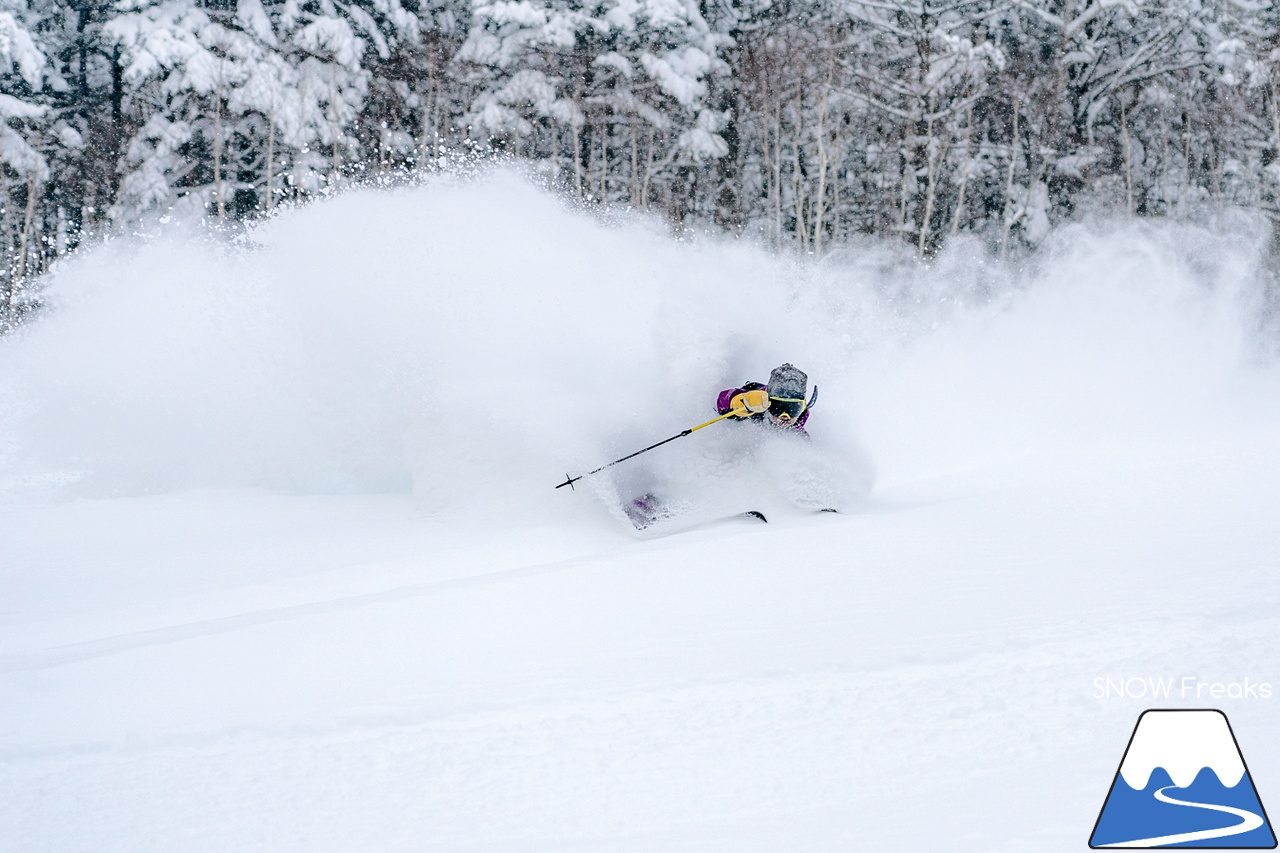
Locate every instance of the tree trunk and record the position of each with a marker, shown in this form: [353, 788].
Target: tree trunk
[271, 149]
[217, 153]
[1186, 165]
[1275, 116]
[1164, 170]
[633, 185]
[577, 145]
[964, 173]
[648, 171]
[604, 161]
[777, 174]
[823, 160]
[797, 187]
[24, 242]
[902, 195]
[766, 148]
[930, 189]
[431, 133]
[1128, 159]
[116, 135]
[1008, 190]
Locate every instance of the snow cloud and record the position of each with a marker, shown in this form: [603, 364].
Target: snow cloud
[473, 342]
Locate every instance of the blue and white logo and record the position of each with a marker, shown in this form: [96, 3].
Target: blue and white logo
[1183, 783]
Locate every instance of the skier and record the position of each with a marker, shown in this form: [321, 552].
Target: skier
[780, 403]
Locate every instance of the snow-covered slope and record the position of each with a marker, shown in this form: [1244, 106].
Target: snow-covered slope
[283, 568]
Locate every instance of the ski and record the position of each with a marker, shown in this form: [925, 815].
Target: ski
[653, 519]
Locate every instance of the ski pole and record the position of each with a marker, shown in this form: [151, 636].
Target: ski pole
[569, 481]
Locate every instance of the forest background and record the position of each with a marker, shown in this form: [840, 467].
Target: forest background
[803, 124]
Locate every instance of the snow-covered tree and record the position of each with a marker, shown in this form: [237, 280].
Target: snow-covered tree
[242, 109]
[22, 77]
[24, 122]
[617, 88]
[803, 122]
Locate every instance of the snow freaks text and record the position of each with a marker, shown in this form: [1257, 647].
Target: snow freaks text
[1178, 687]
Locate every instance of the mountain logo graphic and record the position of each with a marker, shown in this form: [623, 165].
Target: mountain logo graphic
[1183, 783]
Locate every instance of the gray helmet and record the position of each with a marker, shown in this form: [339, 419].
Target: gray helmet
[787, 387]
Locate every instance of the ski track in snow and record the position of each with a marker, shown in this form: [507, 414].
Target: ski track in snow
[71, 653]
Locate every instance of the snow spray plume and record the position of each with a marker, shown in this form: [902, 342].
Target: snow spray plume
[474, 342]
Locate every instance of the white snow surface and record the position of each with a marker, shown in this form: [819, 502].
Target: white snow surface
[1183, 742]
[282, 567]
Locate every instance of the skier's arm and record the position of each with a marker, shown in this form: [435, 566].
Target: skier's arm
[748, 402]
[724, 402]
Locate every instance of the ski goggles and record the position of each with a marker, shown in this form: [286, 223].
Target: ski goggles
[785, 409]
